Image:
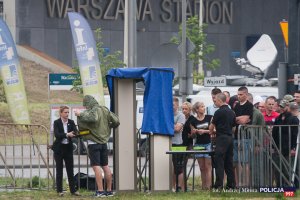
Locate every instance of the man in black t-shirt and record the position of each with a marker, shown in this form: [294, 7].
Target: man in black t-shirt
[224, 123]
[243, 111]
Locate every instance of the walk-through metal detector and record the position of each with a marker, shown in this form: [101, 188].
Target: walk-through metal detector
[125, 148]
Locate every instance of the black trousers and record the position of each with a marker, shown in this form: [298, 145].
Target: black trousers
[224, 161]
[66, 154]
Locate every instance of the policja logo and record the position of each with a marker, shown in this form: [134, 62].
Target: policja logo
[271, 190]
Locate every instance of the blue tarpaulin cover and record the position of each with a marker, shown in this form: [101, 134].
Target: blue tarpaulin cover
[158, 102]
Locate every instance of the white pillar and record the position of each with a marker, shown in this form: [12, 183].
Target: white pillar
[125, 135]
[160, 163]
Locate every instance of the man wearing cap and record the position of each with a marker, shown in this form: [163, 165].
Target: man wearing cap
[259, 103]
[258, 120]
[285, 137]
[257, 117]
[289, 98]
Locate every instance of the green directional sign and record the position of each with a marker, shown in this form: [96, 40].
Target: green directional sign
[61, 81]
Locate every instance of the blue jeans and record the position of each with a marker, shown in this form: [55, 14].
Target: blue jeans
[207, 148]
[243, 149]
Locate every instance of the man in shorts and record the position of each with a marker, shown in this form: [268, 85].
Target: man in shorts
[179, 120]
[244, 113]
[95, 119]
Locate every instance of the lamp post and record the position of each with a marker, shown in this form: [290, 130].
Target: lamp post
[182, 71]
[200, 66]
[293, 49]
[130, 33]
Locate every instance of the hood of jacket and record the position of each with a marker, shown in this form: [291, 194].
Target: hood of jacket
[89, 101]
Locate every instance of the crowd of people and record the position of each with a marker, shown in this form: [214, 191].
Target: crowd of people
[216, 128]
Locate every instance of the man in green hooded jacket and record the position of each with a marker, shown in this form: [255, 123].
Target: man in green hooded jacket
[95, 119]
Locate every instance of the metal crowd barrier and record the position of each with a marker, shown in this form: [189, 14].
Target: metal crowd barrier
[87, 180]
[26, 162]
[260, 161]
[143, 169]
[24, 157]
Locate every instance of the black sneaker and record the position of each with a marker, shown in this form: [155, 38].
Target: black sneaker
[100, 194]
[109, 193]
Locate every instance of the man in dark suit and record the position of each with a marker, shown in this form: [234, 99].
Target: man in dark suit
[64, 130]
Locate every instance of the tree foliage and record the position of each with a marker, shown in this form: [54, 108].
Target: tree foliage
[2, 92]
[202, 49]
[107, 62]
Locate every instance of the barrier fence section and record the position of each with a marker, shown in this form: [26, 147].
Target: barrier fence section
[24, 157]
[143, 156]
[27, 162]
[84, 175]
[263, 159]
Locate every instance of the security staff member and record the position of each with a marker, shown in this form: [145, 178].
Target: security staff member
[64, 130]
[223, 122]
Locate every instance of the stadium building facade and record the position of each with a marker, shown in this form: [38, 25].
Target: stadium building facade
[233, 27]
